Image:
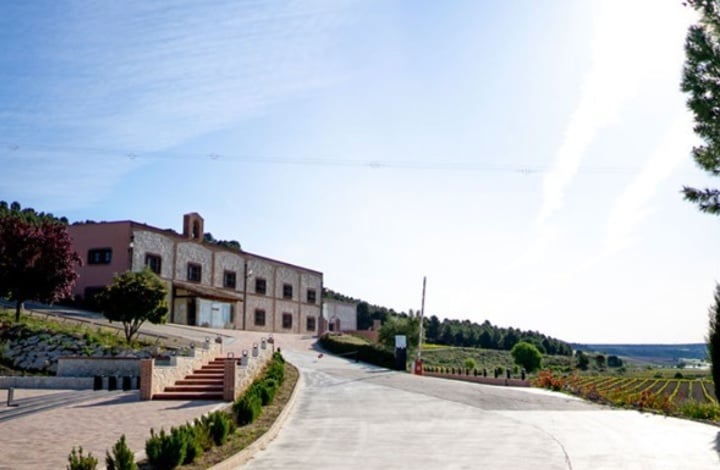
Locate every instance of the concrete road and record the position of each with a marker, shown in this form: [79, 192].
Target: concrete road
[354, 416]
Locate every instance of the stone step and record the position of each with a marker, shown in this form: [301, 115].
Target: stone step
[194, 388]
[208, 371]
[199, 381]
[188, 396]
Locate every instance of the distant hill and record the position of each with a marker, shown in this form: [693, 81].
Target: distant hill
[662, 354]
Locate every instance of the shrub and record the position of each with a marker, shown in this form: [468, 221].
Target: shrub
[203, 437]
[365, 352]
[268, 389]
[166, 451]
[78, 461]
[193, 447]
[469, 363]
[697, 410]
[527, 356]
[247, 408]
[122, 457]
[220, 427]
[276, 371]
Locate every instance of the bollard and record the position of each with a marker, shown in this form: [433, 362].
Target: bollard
[244, 358]
[255, 350]
[11, 397]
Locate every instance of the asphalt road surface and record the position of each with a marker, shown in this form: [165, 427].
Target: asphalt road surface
[354, 416]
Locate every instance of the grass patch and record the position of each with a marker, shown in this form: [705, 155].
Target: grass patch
[351, 339]
[39, 323]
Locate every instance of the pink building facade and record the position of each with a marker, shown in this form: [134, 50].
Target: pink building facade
[208, 284]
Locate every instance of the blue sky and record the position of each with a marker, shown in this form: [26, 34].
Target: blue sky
[526, 157]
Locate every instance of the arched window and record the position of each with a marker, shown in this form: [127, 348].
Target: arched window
[196, 230]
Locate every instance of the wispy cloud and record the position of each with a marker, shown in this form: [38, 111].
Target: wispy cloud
[633, 205]
[615, 76]
[151, 76]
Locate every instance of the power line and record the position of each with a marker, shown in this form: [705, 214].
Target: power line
[17, 150]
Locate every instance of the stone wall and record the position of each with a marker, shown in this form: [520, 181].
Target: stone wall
[90, 367]
[163, 375]
[40, 352]
[244, 375]
[194, 253]
[370, 335]
[225, 261]
[147, 242]
[52, 383]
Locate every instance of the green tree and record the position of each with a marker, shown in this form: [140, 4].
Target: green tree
[394, 325]
[713, 340]
[701, 80]
[37, 261]
[364, 321]
[134, 298]
[526, 355]
[582, 360]
[600, 361]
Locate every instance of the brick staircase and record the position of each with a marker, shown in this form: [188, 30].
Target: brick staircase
[205, 383]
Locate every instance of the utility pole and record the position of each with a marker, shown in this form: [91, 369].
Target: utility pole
[418, 361]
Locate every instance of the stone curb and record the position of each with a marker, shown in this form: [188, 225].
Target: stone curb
[262, 442]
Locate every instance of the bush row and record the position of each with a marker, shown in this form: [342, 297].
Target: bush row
[362, 352]
[497, 372]
[248, 407]
[184, 444]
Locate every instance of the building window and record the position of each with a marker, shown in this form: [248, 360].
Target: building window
[287, 291]
[310, 323]
[260, 286]
[100, 256]
[259, 317]
[194, 272]
[311, 297]
[287, 320]
[230, 279]
[154, 262]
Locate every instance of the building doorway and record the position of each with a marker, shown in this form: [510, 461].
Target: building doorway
[192, 311]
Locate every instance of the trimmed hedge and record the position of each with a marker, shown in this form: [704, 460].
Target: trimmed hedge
[365, 352]
[261, 392]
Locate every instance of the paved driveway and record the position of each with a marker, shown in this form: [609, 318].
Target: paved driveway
[353, 416]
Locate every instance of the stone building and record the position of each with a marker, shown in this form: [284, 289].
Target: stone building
[339, 316]
[208, 284]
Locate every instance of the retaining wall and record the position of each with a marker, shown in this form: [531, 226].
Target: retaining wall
[238, 377]
[156, 375]
[52, 383]
[91, 366]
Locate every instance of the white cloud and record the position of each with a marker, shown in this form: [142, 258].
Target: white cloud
[631, 44]
[632, 206]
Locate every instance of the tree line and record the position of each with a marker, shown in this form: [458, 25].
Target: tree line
[451, 332]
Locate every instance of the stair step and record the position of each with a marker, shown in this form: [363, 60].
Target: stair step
[188, 396]
[200, 381]
[194, 388]
[208, 371]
